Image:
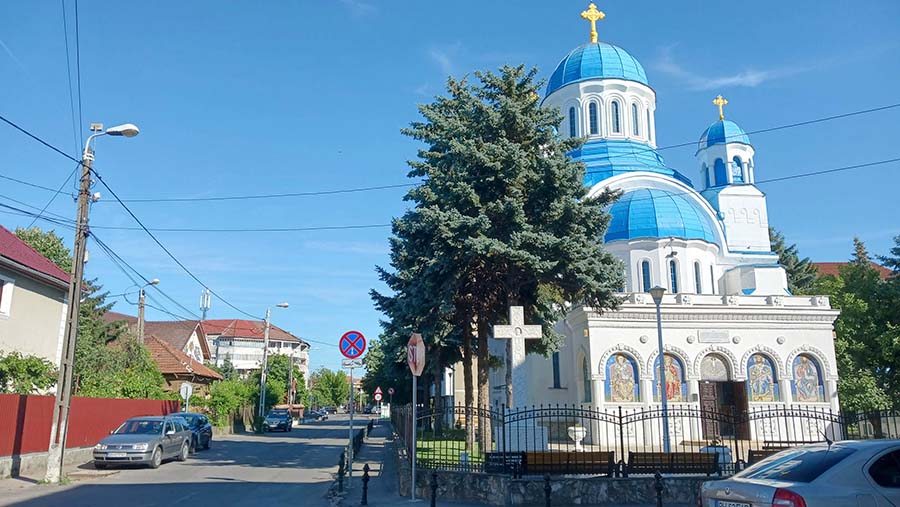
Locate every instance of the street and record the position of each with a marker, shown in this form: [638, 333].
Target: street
[273, 469]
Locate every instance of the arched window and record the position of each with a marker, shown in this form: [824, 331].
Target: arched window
[697, 279]
[555, 359]
[635, 127]
[808, 387]
[762, 380]
[675, 385]
[648, 123]
[592, 118]
[573, 132]
[737, 170]
[645, 276]
[712, 280]
[673, 275]
[704, 173]
[586, 377]
[721, 173]
[622, 384]
[616, 118]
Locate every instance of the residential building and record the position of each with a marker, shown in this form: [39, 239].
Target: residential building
[241, 342]
[186, 336]
[177, 367]
[834, 269]
[33, 292]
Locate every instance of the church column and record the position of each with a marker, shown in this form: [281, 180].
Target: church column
[597, 388]
[597, 430]
[832, 393]
[693, 387]
[647, 391]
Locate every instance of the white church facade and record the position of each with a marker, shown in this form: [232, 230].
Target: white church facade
[735, 338]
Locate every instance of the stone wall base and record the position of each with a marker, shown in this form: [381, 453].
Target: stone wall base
[35, 464]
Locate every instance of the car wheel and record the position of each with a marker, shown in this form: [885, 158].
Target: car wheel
[99, 466]
[156, 458]
[185, 451]
[208, 443]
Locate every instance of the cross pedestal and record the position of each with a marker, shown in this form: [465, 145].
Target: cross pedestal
[524, 435]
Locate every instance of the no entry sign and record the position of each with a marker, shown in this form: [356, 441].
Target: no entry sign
[352, 344]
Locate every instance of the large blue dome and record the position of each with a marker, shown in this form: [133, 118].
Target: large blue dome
[655, 213]
[723, 132]
[596, 60]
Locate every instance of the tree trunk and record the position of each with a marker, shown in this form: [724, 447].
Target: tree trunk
[439, 406]
[469, 388]
[484, 393]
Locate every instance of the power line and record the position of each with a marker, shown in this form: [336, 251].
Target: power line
[272, 196]
[238, 230]
[69, 74]
[78, 73]
[30, 184]
[58, 191]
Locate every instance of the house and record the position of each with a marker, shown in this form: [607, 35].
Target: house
[178, 367]
[186, 336]
[834, 269]
[33, 292]
[241, 342]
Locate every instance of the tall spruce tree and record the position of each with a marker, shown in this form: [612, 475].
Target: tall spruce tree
[892, 260]
[502, 218]
[801, 273]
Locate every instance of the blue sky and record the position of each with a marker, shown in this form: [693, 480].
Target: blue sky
[268, 97]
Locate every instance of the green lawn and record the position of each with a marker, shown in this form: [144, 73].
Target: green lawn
[445, 452]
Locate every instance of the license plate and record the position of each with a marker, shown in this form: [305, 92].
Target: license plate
[116, 455]
[723, 503]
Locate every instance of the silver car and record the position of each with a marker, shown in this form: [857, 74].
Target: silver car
[852, 473]
[144, 441]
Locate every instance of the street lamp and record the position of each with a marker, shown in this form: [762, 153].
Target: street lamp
[265, 360]
[60, 424]
[155, 281]
[657, 294]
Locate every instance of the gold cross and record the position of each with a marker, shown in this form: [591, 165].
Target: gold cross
[593, 15]
[721, 102]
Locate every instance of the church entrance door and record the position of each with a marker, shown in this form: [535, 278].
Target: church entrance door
[724, 404]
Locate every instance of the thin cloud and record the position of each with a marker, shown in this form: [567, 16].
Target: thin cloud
[750, 78]
[444, 57]
[11, 55]
[359, 8]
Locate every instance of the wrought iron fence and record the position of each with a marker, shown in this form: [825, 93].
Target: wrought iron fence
[620, 440]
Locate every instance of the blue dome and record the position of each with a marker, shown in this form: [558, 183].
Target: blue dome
[596, 60]
[654, 213]
[722, 132]
[605, 158]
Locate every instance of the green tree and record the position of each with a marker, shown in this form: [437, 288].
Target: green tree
[48, 244]
[386, 372]
[331, 388]
[801, 273]
[503, 217]
[22, 374]
[892, 260]
[278, 372]
[226, 397]
[227, 369]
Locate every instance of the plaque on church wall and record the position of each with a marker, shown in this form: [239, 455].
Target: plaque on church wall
[713, 336]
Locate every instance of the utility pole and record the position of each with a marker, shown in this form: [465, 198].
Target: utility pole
[59, 426]
[265, 365]
[141, 316]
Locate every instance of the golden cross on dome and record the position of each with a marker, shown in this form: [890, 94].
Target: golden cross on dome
[593, 15]
[721, 102]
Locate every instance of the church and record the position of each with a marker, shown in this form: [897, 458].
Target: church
[734, 338]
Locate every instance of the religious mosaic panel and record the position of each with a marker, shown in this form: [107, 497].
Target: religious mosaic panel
[713, 368]
[762, 383]
[622, 383]
[808, 386]
[676, 388]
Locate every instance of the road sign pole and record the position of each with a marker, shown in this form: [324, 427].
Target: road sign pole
[350, 467]
[414, 436]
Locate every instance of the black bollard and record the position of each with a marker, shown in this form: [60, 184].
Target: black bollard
[547, 490]
[659, 488]
[341, 471]
[433, 488]
[365, 481]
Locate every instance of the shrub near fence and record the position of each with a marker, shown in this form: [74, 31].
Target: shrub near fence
[542, 439]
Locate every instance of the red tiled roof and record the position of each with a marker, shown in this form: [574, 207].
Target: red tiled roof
[16, 250]
[175, 332]
[172, 361]
[833, 269]
[242, 328]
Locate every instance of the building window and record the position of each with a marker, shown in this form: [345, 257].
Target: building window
[6, 288]
[673, 274]
[635, 128]
[573, 132]
[704, 173]
[648, 123]
[645, 276]
[556, 384]
[737, 170]
[616, 118]
[712, 280]
[586, 376]
[720, 173]
[592, 118]
[697, 279]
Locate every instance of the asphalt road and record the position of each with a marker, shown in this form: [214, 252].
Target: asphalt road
[274, 469]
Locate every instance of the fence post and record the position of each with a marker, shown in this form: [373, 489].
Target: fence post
[365, 485]
[659, 488]
[341, 465]
[434, 486]
[547, 490]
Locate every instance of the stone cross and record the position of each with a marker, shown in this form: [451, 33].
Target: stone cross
[721, 102]
[517, 332]
[593, 15]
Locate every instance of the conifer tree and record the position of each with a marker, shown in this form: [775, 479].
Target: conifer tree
[801, 273]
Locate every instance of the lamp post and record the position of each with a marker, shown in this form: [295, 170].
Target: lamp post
[60, 424]
[155, 281]
[265, 360]
[657, 294]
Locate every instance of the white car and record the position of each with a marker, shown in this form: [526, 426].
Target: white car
[863, 473]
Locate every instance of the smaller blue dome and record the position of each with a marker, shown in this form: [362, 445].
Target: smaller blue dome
[655, 213]
[723, 132]
[596, 60]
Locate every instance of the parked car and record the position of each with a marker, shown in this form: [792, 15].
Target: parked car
[145, 441]
[329, 410]
[201, 430]
[316, 415]
[816, 475]
[278, 420]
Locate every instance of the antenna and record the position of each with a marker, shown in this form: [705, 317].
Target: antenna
[205, 303]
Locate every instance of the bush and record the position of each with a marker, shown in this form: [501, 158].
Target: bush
[25, 374]
[226, 397]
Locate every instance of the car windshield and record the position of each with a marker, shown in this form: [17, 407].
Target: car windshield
[797, 465]
[277, 413]
[140, 427]
[190, 419]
